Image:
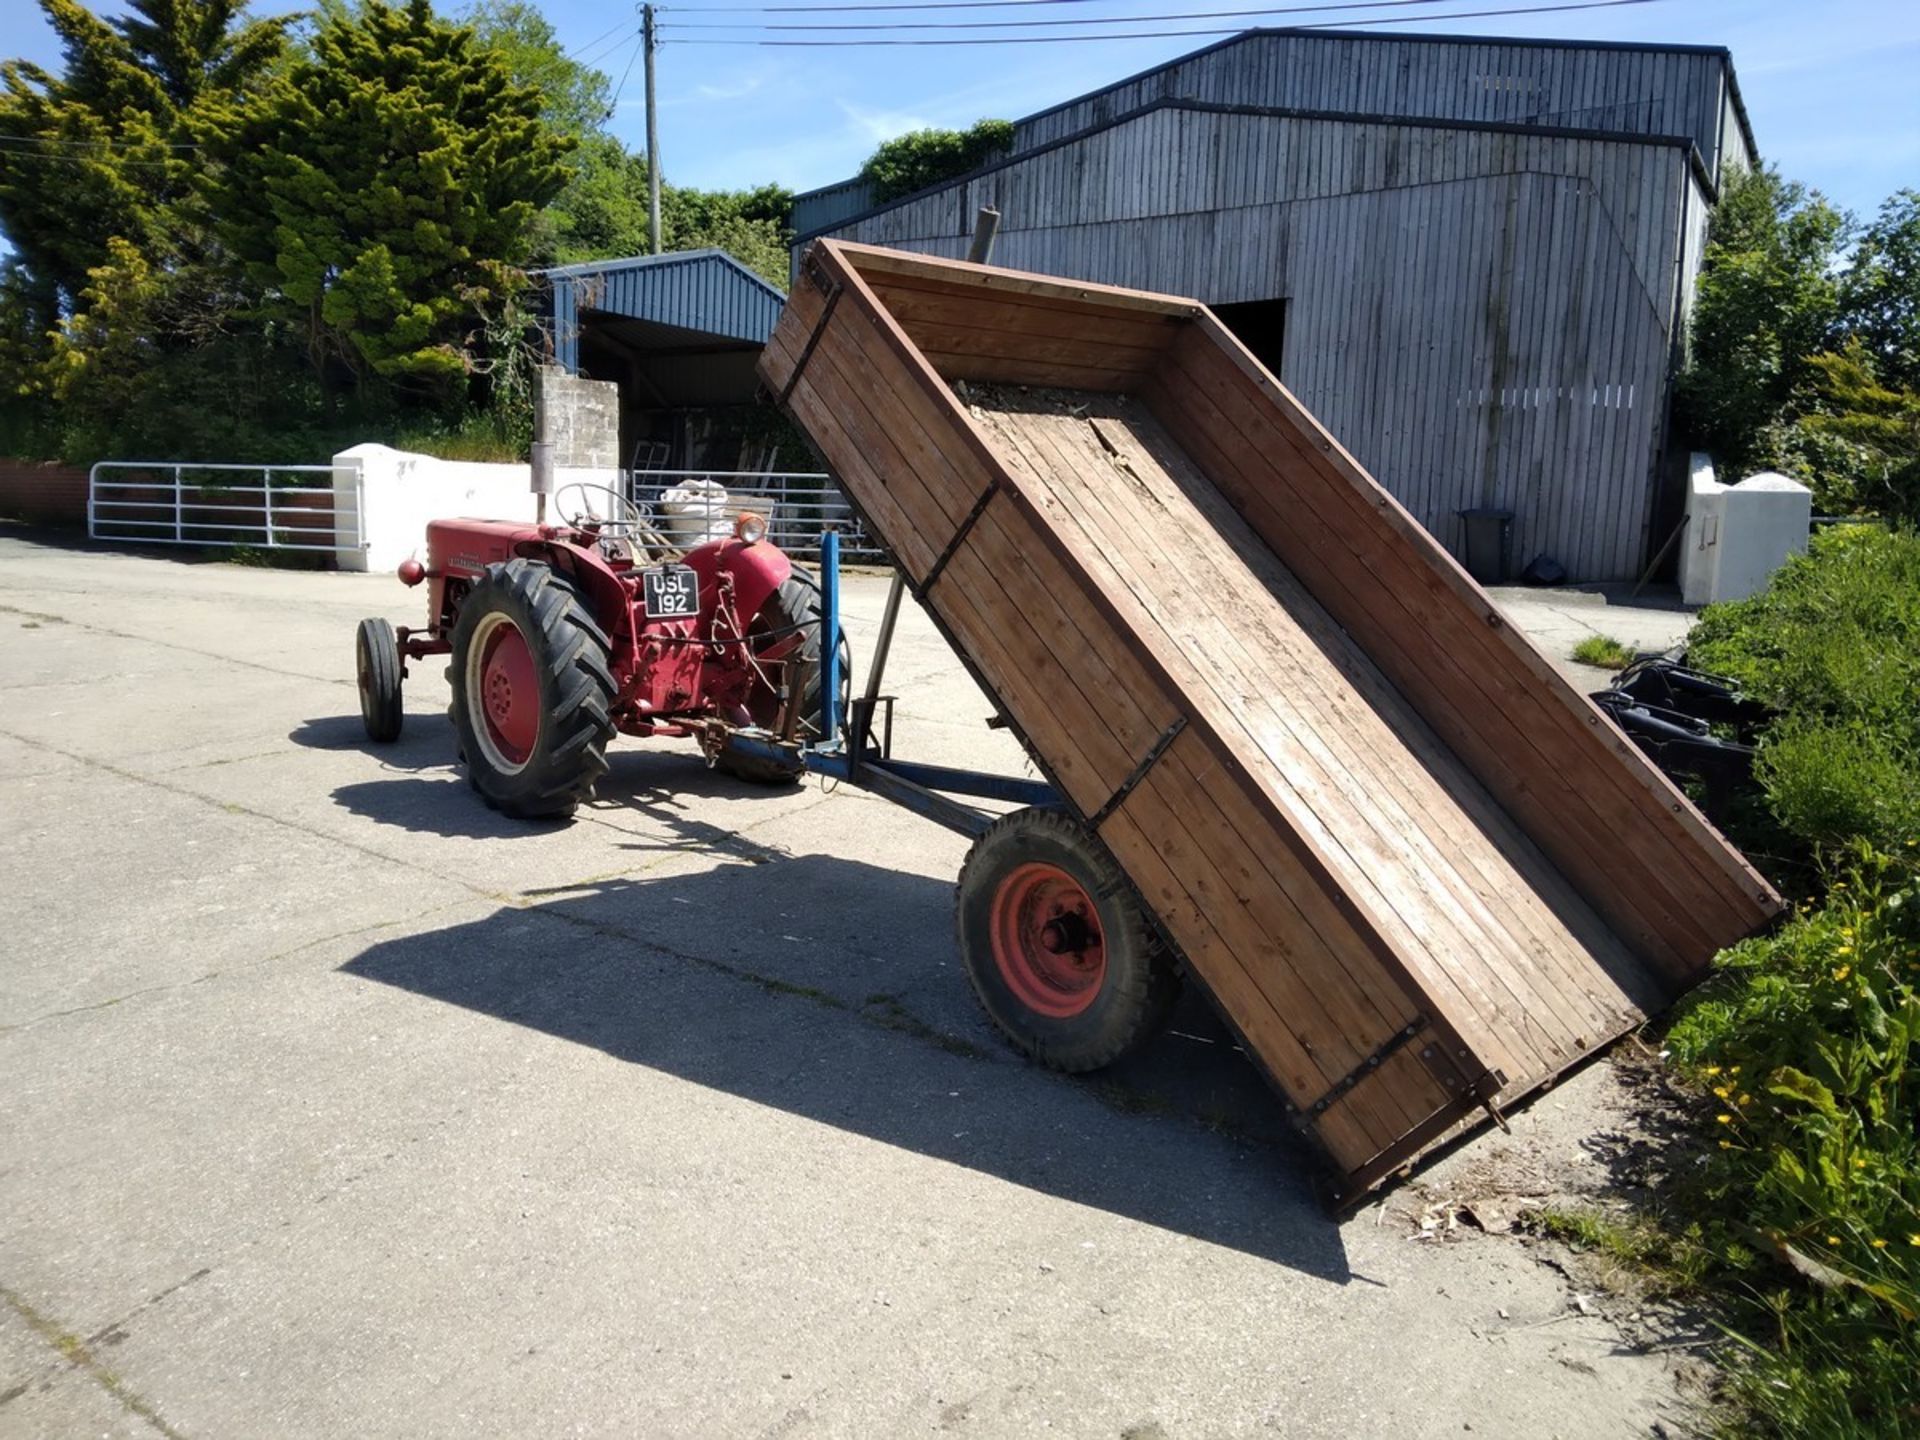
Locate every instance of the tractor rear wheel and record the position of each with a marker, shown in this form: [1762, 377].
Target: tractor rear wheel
[795, 605]
[1059, 949]
[531, 691]
[376, 663]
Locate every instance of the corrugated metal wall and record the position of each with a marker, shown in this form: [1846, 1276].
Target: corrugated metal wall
[1581, 87]
[1623, 89]
[704, 290]
[1481, 317]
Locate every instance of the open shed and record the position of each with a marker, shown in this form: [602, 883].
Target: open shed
[680, 334]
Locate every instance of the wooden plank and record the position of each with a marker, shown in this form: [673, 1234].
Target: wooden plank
[1731, 895]
[1482, 726]
[874, 261]
[1391, 885]
[917, 302]
[1362, 764]
[984, 645]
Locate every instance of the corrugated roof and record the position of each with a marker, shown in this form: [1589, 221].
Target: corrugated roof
[705, 290]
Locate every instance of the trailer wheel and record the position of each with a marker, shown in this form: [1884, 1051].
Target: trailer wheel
[796, 603]
[376, 663]
[1059, 950]
[531, 691]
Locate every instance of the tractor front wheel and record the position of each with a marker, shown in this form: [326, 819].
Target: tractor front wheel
[376, 663]
[1059, 950]
[531, 691]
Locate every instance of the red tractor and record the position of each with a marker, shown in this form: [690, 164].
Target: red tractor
[561, 634]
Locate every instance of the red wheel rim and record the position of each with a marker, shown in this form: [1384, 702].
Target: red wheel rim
[509, 698]
[1046, 940]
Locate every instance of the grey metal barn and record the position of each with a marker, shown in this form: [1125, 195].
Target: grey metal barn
[1472, 259]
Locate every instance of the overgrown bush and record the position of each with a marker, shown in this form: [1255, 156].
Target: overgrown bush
[921, 158]
[1833, 644]
[1807, 1041]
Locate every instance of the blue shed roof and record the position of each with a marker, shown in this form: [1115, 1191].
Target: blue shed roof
[704, 290]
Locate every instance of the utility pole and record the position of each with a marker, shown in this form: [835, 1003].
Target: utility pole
[649, 41]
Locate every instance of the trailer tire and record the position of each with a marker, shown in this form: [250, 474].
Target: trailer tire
[376, 664]
[1057, 945]
[532, 692]
[796, 602]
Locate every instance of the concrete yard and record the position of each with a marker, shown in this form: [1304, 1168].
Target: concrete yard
[334, 1104]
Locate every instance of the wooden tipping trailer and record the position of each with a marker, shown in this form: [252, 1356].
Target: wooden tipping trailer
[1418, 871]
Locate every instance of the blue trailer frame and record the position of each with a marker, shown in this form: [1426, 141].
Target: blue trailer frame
[848, 753]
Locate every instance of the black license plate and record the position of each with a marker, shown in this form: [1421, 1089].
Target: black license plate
[672, 592]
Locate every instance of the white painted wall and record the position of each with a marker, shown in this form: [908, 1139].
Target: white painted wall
[1738, 535]
[399, 492]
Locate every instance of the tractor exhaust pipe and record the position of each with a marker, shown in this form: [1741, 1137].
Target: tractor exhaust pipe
[541, 453]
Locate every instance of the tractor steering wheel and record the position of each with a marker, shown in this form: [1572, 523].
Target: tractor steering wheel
[621, 529]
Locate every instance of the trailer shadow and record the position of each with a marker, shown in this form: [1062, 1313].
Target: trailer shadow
[828, 988]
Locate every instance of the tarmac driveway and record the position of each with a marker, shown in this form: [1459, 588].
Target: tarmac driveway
[333, 1104]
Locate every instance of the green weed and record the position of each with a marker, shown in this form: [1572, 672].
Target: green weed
[1604, 651]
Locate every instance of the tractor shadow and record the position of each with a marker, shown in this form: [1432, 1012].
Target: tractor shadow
[829, 988]
[661, 785]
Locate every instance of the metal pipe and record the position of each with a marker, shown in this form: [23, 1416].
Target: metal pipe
[829, 637]
[986, 225]
[877, 667]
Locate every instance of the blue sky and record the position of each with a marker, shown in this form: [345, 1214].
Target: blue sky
[1832, 86]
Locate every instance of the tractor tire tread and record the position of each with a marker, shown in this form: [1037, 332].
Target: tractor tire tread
[378, 673]
[577, 687]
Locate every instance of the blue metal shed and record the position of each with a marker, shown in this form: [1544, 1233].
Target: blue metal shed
[697, 293]
[680, 335]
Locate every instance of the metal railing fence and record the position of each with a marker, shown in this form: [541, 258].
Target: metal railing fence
[798, 506]
[169, 502]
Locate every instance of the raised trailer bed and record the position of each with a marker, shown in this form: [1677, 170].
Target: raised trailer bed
[1418, 871]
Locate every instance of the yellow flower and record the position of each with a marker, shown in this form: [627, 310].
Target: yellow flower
[1743, 1099]
[1847, 930]
[1734, 1071]
[1713, 1069]
[1726, 1144]
[1913, 1240]
[1879, 1244]
[1858, 1163]
[1833, 1239]
[1728, 1120]
[1842, 971]
[1722, 1091]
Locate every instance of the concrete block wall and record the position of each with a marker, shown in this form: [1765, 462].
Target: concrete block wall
[580, 416]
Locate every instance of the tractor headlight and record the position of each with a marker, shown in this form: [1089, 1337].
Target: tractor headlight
[750, 526]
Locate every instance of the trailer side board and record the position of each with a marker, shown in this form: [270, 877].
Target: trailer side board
[1268, 689]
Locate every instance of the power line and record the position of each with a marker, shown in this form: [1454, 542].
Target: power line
[60, 157]
[925, 5]
[1173, 34]
[52, 141]
[614, 104]
[578, 50]
[611, 47]
[1029, 24]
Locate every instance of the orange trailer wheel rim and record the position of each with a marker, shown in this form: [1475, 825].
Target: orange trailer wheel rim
[1046, 940]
